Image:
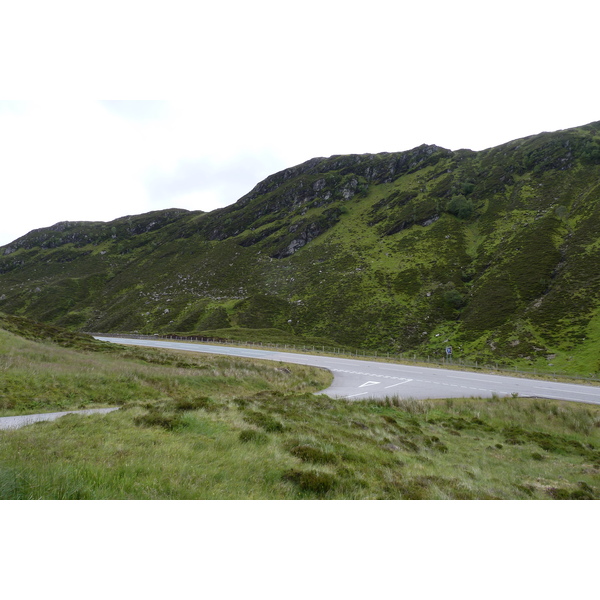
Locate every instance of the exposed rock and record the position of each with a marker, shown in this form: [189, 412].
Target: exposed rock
[392, 447]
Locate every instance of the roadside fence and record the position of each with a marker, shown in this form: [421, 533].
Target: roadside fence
[410, 357]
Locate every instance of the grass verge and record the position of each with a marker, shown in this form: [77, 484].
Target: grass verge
[210, 427]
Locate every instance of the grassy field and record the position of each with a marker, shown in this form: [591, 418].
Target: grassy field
[210, 427]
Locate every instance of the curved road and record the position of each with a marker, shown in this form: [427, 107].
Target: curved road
[360, 379]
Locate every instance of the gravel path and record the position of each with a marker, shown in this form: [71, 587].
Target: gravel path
[22, 420]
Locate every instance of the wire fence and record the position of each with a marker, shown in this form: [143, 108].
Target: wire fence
[411, 357]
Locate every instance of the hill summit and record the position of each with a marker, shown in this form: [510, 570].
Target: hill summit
[496, 253]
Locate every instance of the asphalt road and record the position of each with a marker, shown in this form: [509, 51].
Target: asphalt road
[22, 420]
[360, 379]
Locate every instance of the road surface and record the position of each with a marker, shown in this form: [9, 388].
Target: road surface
[361, 379]
[22, 420]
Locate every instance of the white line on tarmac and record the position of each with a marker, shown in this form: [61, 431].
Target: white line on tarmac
[368, 383]
[395, 384]
[596, 394]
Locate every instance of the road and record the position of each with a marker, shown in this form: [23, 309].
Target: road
[22, 420]
[361, 379]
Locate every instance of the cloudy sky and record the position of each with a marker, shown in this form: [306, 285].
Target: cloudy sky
[265, 85]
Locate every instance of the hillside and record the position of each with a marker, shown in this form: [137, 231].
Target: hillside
[494, 252]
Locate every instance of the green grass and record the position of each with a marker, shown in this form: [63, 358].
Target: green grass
[280, 446]
[265, 336]
[44, 377]
[208, 427]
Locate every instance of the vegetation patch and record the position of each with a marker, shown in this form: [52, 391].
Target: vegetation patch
[264, 420]
[312, 482]
[155, 418]
[253, 436]
[307, 453]
[196, 403]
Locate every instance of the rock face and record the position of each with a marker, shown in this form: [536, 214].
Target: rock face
[306, 235]
[494, 252]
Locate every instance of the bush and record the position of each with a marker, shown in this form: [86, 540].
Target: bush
[460, 206]
[454, 299]
[467, 187]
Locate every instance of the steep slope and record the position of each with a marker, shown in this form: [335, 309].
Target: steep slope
[494, 252]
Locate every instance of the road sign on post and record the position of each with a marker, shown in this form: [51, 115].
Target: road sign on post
[449, 350]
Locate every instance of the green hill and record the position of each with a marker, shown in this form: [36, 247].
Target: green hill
[496, 253]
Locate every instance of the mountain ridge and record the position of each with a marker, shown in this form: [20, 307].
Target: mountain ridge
[490, 251]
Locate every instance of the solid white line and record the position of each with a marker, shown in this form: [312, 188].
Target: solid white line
[395, 384]
[596, 394]
[354, 396]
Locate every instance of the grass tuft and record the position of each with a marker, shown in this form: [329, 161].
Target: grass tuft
[155, 418]
[313, 482]
[251, 435]
[196, 403]
[308, 453]
[265, 421]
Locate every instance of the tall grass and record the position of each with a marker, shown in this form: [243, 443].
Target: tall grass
[211, 427]
[38, 377]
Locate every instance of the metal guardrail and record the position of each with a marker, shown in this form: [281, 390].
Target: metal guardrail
[357, 353]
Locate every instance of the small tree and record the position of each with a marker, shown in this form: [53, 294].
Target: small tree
[454, 299]
[460, 207]
[467, 187]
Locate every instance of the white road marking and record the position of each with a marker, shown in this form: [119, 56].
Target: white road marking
[368, 383]
[355, 395]
[596, 394]
[399, 383]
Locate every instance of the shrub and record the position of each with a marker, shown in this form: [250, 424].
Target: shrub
[454, 299]
[467, 187]
[460, 206]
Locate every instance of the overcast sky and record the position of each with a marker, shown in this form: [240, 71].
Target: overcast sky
[267, 85]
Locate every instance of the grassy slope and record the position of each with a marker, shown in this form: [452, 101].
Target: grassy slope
[385, 263]
[56, 370]
[212, 427]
